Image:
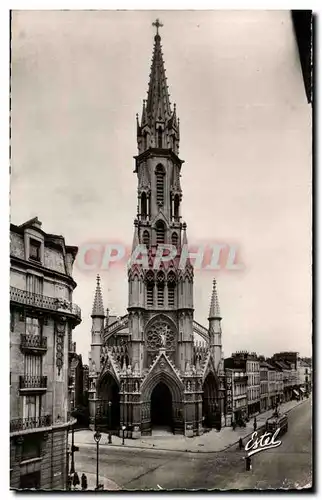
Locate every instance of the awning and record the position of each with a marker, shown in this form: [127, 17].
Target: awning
[295, 392]
[303, 390]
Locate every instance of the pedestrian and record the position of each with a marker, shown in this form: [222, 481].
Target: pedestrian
[248, 462]
[84, 482]
[255, 424]
[69, 483]
[240, 444]
[76, 480]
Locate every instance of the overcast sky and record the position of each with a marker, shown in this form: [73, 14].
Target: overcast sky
[78, 79]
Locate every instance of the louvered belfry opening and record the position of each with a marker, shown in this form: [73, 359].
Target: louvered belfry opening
[174, 239]
[160, 286]
[146, 238]
[171, 289]
[160, 232]
[149, 288]
[159, 173]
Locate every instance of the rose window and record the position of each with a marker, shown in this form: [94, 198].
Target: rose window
[155, 335]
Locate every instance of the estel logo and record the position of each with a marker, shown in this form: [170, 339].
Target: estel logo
[265, 442]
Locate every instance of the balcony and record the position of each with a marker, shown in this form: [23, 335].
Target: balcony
[43, 302]
[33, 343]
[23, 424]
[33, 382]
[240, 378]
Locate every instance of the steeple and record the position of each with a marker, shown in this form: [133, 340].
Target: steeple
[158, 102]
[159, 127]
[98, 308]
[214, 312]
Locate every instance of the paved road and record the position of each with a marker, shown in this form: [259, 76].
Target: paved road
[288, 466]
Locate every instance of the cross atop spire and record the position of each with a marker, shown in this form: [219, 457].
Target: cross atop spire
[98, 308]
[157, 24]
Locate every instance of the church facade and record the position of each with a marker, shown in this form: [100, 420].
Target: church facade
[148, 369]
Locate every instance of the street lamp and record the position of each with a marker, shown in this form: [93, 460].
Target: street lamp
[109, 422]
[123, 429]
[97, 438]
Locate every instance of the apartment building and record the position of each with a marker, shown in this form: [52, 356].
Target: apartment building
[42, 318]
[264, 395]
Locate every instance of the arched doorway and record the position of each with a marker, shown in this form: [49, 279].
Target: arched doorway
[210, 404]
[161, 407]
[108, 414]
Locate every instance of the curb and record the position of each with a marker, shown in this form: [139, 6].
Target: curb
[152, 448]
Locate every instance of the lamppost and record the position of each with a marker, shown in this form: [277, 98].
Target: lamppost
[97, 438]
[123, 430]
[109, 422]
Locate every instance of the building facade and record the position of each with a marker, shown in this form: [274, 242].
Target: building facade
[264, 395]
[304, 376]
[42, 317]
[239, 393]
[272, 392]
[146, 368]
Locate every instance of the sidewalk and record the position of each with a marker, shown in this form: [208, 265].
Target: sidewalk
[212, 441]
[91, 483]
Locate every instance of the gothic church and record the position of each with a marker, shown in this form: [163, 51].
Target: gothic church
[147, 368]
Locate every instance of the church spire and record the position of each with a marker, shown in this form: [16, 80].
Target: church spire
[214, 312]
[158, 102]
[98, 308]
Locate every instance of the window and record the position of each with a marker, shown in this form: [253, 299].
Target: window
[32, 326]
[29, 481]
[176, 205]
[33, 365]
[159, 137]
[160, 230]
[171, 289]
[31, 447]
[146, 238]
[160, 286]
[174, 239]
[34, 284]
[149, 293]
[159, 172]
[149, 288]
[34, 249]
[143, 205]
[31, 406]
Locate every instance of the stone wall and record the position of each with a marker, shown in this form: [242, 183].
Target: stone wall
[51, 463]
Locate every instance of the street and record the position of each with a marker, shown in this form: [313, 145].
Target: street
[288, 466]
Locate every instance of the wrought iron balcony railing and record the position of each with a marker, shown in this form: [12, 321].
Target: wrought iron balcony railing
[33, 342]
[44, 302]
[22, 424]
[33, 382]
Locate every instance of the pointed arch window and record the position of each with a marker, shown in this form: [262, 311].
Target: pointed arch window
[174, 239]
[143, 205]
[149, 288]
[160, 232]
[146, 238]
[176, 206]
[160, 287]
[159, 137]
[160, 173]
[171, 289]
